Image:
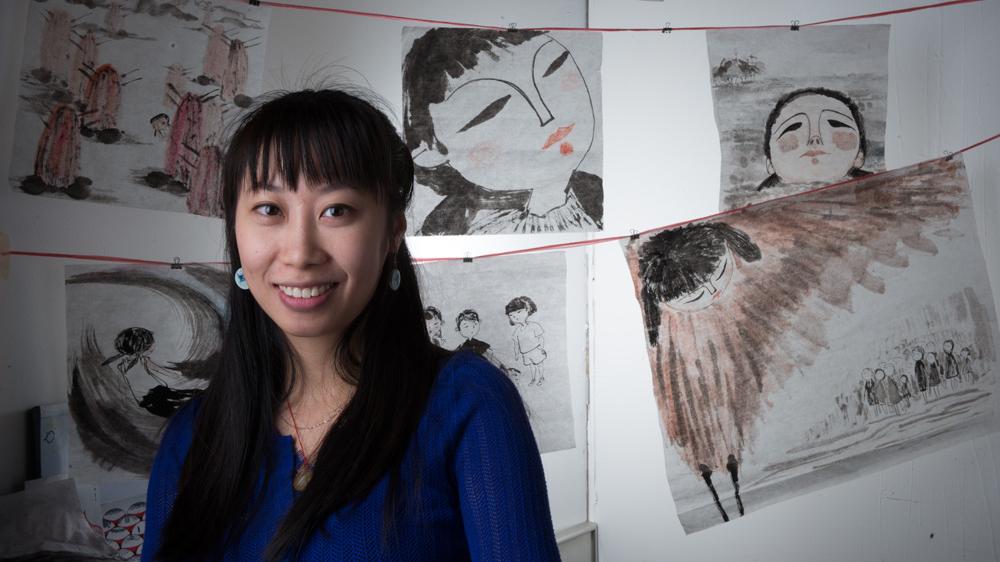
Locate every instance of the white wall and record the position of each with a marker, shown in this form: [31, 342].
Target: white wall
[661, 166]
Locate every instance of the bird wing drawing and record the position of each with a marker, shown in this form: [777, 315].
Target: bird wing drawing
[735, 305]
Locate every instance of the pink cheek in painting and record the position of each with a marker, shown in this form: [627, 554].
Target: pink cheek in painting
[566, 148]
[483, 154]
[788, 143]
[570, 82]
[845, 140]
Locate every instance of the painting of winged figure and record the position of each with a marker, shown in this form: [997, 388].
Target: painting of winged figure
[805, 341]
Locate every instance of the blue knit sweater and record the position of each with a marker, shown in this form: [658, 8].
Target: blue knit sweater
[481, 496]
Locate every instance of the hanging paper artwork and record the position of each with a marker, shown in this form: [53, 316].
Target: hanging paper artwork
[806, 341]
[505, 130]
[142, 341]
[515, 318]
[126, 103]
[798, 109]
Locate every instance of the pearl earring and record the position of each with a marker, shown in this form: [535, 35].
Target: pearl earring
[241, 280]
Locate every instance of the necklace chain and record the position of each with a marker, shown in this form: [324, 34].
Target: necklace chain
[314, 426]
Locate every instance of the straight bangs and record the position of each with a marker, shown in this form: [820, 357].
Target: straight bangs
[316, 136]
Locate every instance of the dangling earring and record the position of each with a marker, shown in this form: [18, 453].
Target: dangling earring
[241, 281]
[394, 276]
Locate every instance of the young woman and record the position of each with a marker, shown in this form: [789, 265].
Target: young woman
[333, 428]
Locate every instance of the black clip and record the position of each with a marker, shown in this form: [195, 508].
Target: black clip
[467, 259]
[666, 28]
[255, 2]
[948, 155]
[511, 27]
[795, 25]
[633, 234]
[176, 264]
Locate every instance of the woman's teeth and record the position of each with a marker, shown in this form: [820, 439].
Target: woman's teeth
[305, 292]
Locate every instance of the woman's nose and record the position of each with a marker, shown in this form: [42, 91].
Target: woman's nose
[302, 247]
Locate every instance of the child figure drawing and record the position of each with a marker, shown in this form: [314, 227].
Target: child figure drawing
[527, 337]
[467, 325]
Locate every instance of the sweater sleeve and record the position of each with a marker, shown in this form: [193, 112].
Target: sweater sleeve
[501, 485]
[165, 474]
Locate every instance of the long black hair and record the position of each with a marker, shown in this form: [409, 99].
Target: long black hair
[323, 136]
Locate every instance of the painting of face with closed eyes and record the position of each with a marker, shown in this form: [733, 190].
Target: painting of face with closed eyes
[797, 110]
[816, 136]
[504, 129]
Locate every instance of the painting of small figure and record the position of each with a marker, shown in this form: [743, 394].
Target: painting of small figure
[467, 325]
[111, 106]
[505, 130]
[494, 318]
[134, 346]
[432, 316]
[528, 337]
[142, 340]
[764, 384]
[797, 110]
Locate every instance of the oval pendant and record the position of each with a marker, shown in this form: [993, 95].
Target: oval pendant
[302, 478]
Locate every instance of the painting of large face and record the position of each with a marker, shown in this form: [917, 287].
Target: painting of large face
[528, 112]
[797, 110]
[508, 125]
[815, 139]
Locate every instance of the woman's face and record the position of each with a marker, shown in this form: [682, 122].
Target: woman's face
[523, 121]
[313, 257]
[711, 290]
[815, 140]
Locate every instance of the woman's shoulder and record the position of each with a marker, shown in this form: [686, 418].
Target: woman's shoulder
[466, 377]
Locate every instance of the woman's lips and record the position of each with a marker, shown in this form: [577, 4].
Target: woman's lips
[559, 135]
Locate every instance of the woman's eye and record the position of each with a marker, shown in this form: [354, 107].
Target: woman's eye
[489, 112]
[266, 209]
[838, 124]
[790, 128]
[335, 211]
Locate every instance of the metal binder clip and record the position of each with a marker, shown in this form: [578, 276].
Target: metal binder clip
[633, 234]
[795, 25]
[512, 27]
[666, 28]
[467, 258]
[176, 264]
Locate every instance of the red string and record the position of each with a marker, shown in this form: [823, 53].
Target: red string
[559, 246]
[610, 29]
